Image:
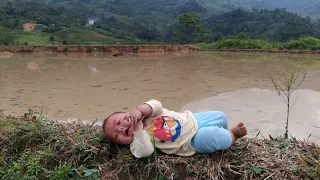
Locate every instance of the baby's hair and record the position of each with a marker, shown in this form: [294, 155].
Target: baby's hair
[105, 120]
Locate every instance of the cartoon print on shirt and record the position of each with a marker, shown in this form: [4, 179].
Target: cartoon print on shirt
[165, 128]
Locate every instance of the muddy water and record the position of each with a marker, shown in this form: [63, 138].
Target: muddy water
[91, 87]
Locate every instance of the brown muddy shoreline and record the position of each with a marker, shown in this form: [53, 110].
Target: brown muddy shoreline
[118, 50]
[114, 49]
[317, 52]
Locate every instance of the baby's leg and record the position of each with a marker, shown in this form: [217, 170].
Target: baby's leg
[211, 118]
[213, 138]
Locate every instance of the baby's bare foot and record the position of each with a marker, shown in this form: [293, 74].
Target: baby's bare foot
[239, 131]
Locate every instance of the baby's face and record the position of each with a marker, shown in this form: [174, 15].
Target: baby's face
[118, 129]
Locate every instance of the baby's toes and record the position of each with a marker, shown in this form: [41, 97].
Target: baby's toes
[241, 124]
[243, 130]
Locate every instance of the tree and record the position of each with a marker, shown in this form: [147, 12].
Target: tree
[189, 29]
[242, 36]
[6, 39]
[65, 42]
[285, 82]
[317, 27]
[51, 40]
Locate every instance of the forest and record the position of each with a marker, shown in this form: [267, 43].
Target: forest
[145, 21]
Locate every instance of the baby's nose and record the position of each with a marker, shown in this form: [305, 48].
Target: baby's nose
[122, 129]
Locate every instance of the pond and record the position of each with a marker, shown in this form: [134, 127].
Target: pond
[90, 87]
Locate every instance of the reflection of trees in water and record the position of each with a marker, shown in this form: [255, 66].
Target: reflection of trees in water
[93, 69]
[100, 55]
[241, 57]
[44, 65]
[231, 65]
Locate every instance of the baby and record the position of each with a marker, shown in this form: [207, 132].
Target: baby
[182, 133]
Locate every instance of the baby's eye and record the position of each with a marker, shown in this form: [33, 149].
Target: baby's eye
[119, 122]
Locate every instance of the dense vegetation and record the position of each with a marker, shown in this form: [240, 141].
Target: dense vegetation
[304, 8]
[273, 25]
[242, 42]
[14, 13]
[145, 21]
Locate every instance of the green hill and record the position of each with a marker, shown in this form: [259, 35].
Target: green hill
[74, 36]
[145, 21]
[274, 25]
[304, 8]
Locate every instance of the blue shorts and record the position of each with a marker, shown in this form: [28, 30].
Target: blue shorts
[213, 133]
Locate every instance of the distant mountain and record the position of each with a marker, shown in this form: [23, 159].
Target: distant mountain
[270, 25]
[229, 5]
[169, 8]
[152, 20]
[302, 7]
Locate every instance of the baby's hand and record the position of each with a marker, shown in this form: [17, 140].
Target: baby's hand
[133, 115]
[138, 125]
[136, 118]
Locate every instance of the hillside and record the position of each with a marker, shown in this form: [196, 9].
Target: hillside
[72, 36]
[302, 7]
[274, 25]
[133, 21]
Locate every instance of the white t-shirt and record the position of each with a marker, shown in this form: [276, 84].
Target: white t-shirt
[169, 131]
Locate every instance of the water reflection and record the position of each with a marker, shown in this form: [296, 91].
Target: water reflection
[263, 110]
[93, 69]
[91, 87]
[32, 66]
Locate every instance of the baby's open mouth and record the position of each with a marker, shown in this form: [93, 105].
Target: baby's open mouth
[127, 132]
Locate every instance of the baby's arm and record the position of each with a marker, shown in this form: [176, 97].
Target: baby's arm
[141, 146]
[156, 107]
[137, 114]
[145, 109]
[150, 108]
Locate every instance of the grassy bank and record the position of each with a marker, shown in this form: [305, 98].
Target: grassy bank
[66, 36]
[238, 43]
[36, 148]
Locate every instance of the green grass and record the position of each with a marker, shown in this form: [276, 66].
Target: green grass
[80, 36]
[32, 38]
[90, 37]
[70, 36]
[39, 39]
[33, 147]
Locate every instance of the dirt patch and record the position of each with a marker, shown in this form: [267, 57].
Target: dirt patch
[5, 54]
[96, 36]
